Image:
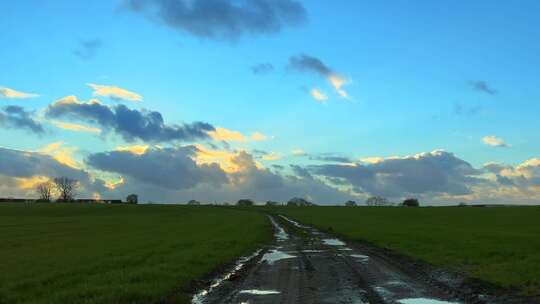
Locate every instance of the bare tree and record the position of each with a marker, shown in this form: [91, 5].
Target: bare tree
[44, 191]
[66, 188]
[377, 201]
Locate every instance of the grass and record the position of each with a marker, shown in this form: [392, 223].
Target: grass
[500, 245]
[75, 253]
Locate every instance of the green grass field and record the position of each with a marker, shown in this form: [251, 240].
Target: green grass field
[501, 245]
[73, 253]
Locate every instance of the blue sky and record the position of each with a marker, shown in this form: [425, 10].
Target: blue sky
[420, 76]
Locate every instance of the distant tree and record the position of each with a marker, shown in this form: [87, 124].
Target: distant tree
[462, 204]
[272, 203]
[44, 191]
[411, 202]
[132, 199]
[245, 203]
[377, 201]
[350, 204]
[194, 203]
[299, 202]
[66, 188]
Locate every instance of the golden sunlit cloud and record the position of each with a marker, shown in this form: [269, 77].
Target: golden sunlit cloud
[272, 156]
[227, 135]
[63, 155]
[113, 184]
[319, 95]
[223, 158]
[299, 152]
[115, 92]
[372, 160]
[72, 99]
[338, 81]
[231, 135]
[31, 182]
[257, 136]
[13, 94]
[135, 149]
[75, 127]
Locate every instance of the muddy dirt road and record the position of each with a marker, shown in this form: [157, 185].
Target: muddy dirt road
[305, 265]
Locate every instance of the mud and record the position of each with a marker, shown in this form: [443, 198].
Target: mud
[316, 267]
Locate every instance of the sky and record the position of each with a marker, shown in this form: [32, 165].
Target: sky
[219, 100]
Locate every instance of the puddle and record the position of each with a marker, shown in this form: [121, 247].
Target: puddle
[312, 251]
[361, 257]
[295, 223]
[333, 242]
[424, 301]
[275, 255]
[199, 297]
[259, 292]
[345, 249]
[281, 235]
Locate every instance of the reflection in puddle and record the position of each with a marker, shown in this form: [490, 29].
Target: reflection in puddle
[281, 235]
[275, 255]
[345, 249]
[259, 292]
[199, 297]
[333, 242]
[295, 223]
[312, 251]
[361, 257]
[424, 301]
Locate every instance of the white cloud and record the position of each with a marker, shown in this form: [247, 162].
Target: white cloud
[13, 94]
[319, 95]
[338, 81]
[115, 92]
[495, 141]
[299, 152]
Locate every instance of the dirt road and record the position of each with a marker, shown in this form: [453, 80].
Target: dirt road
[307, 266]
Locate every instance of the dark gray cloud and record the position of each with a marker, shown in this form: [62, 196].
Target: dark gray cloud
[262, 68]
[25, 164]
[16, 117]
[306, 63]
[328, 157]
[223, 19]
[437, 172]
[301, 172]
[130, 124]
[171, 168]
[87, 49]
[331, 157]
[483, 87]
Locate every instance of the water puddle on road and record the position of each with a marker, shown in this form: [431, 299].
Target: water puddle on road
[199, 297]
[424, 301]
[312, 251]
[361, 257]
[259, 292]
[275, 255]
[333, 242]
[280, 234]
[295, 223]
